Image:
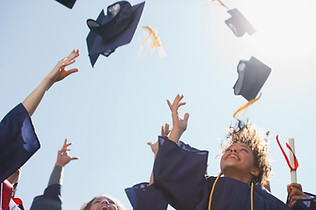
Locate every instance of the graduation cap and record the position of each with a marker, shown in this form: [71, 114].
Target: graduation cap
[115, 29]
[252, 75]
[239, 24]
[67, 3]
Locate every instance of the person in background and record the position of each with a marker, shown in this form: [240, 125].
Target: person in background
[51, 199]
[102, 202]
[18, 140]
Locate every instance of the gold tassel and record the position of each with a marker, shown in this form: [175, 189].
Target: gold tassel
[220, 2]
[153, 40]
[246, 106]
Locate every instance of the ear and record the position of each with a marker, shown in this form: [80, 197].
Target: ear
[255, 171]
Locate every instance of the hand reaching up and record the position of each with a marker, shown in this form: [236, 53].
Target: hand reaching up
[179, 125]
[63, 157]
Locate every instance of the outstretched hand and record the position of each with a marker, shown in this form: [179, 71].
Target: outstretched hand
[179, 125]
[164, 132]
[63, 157]
[295, 193]
[59, 72]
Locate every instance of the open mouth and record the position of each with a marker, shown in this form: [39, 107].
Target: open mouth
[232, 156]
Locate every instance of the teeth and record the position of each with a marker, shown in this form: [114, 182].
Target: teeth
[234, 156]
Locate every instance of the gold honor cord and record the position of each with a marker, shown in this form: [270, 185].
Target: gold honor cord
[153, 40]
[212, 191]
[246, 106]
[251, 196]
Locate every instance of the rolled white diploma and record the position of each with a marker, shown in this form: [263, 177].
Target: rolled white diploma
[293, 173]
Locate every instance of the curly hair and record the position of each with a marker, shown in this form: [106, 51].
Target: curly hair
[87, 205]
[247, 133]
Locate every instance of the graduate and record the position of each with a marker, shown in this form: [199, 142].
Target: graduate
[18, 140]
[179, 171]
[51, 199]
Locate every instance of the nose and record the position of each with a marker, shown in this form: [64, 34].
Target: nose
[105, 201]
[233, 150]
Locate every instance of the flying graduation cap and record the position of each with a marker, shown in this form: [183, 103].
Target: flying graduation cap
[67, 3]
[252, 75]
[115, 29]
[239, 24]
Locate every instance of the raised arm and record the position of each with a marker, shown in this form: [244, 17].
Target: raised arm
[51, 199]
[58, 73]
[179, 125]
[63, 158]
[154, 147]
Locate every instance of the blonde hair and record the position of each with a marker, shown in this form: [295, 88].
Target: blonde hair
[247, 133]
[87, 205]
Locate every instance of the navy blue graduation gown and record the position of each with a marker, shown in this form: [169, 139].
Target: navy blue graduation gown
[18, 141]
[142, 196]
[50, 200]
[179, 172]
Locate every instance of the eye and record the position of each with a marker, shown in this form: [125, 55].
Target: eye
[244, 150]
[97, 201]
[227, 150]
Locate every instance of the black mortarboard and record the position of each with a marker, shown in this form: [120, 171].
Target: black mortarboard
[239, 24]
[67, 3]
[112, 30]
[252, 75]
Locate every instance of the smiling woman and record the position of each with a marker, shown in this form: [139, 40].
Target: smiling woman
[250, 149]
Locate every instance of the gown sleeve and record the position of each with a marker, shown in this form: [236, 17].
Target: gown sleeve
[179, 172]
[50, 200]
[305, 204]
[18, 141]
[144, 196]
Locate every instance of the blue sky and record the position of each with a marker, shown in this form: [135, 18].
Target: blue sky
[111, 111]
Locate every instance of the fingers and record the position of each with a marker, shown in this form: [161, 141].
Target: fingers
[297, 186]
[176, 103]
[165, 130]
[74, 158]
[295, 193]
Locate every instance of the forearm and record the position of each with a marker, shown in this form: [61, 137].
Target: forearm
[56, 176]
[175, 134]
[32, 101]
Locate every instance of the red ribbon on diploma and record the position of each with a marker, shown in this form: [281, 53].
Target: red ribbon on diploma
[285, 156]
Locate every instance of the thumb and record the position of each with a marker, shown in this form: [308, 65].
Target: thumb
[186, 116]
[150, 144]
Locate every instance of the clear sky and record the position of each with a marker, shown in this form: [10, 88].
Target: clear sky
[111, 111]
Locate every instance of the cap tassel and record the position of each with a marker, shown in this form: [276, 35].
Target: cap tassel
[221, 3]
[246, 106]
[153, 40]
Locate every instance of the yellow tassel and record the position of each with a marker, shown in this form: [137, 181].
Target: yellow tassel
[212, 191]
[246, 106]
[152, 40]
[221, 3]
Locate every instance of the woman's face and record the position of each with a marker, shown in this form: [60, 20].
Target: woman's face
[238, 160]
[103, 203]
